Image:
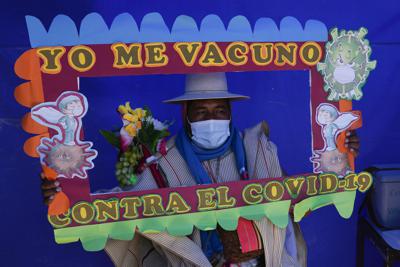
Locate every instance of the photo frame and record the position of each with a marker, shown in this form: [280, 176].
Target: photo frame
[61, 55]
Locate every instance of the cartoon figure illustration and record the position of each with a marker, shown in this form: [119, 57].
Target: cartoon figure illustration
[347, 65]
[332, 122]
[331, 161]
[65, 152]
[72, 108]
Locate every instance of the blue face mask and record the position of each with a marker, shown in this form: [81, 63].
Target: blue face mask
[210, 134]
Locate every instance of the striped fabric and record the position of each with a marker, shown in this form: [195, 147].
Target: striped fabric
[262, 161]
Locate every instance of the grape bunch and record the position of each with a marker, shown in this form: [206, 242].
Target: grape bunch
[126, 166]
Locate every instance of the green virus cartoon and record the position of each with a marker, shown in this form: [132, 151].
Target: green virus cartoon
[346, 66]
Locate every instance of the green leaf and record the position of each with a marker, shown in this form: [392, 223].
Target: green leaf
[111, 137]
[164, 133]
[148, 111]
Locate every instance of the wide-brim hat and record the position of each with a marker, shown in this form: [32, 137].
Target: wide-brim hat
[206, 86]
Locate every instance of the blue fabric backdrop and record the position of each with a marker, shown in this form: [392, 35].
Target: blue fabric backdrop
[281, 98]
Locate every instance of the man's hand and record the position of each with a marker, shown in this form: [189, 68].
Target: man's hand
[49, 189]
[352, 142]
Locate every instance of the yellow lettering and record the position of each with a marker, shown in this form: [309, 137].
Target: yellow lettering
[310, 53]
[130, 204]
[206, 198]
[51, 57]
[236, 53]
[59, 221]
[212, 56]
[294, 185]
[106, 209]
[224, 201]
[312, 185]
[155, 56]
[273, 191]
[252, 194]
[82, 212]
[81, 58]
[188, 52]
[176, 204]
[127, 56]
[285, 54]
[262, 53]
[328, 183]
[152, 205]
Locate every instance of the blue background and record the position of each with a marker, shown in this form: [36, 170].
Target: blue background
[281, 98]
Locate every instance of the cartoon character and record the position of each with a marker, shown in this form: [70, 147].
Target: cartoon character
[332, 161]
[346, 66]
[71, 107]
[65, 152]
[332, 122]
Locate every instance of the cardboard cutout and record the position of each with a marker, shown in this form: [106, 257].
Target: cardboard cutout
[346, 66]
[61, 55]
[332, 123]
[65, 152]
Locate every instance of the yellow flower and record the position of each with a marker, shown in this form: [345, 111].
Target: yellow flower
[131, 130]
[139, 112]
[143, 112]
[122, 109]
[136, 112]
[130, 117]
[128, 106]
[138, 125]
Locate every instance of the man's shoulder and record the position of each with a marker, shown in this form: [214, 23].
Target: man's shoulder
[261, 153]
[259, 130]
[172, 154]
[256, 136]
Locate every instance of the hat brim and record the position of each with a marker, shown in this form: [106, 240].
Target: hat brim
[205, 95]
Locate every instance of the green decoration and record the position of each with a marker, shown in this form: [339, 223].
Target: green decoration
[343, 201]
[94, 237]
[346, 66]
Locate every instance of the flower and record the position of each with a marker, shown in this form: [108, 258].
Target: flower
[125, 109]
[130, 117]
[158, 125]
[125, 139]
[139, 112]
[139, 132]
[131, 129]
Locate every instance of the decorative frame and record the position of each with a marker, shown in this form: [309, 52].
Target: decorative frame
[60, 56]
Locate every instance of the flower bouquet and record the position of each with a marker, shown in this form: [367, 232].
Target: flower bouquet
[138, 141]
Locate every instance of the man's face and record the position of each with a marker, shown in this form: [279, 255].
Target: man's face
[208, 109]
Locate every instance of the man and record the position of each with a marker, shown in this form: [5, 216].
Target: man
[211, 150]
